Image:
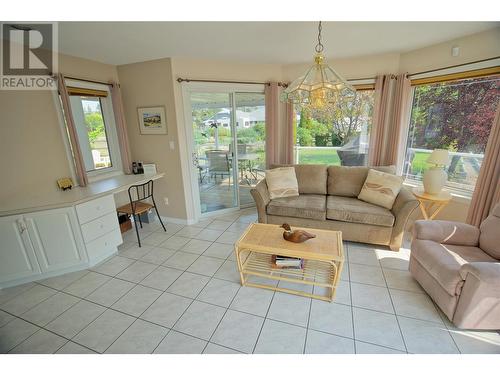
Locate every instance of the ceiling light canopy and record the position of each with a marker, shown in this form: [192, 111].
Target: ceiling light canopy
[320, 86]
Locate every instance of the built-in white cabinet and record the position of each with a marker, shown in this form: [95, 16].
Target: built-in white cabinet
[17, 257]
[47, 243]
[99, 227]
[55, 236]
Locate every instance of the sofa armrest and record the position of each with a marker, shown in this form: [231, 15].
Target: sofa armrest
[486, 272]
[403, 207]
[446, 232]
[261, 196]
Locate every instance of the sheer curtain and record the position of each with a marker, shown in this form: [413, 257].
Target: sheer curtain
[81, 173]
[390, 120]
[399, 124]
[279, 127]
[121, 127]
[487, 191]
[381, 111]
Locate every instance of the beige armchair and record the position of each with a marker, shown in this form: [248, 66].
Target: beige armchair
[458, 265]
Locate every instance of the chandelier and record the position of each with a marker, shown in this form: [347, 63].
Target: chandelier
[320, 86]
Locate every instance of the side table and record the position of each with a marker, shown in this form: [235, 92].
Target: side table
[431, 204]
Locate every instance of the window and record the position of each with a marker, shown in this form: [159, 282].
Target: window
[336, 136]
[94, 121]
[457, 116]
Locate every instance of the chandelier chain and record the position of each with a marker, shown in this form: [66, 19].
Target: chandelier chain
[319, 46]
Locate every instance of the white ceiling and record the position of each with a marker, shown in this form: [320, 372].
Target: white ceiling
[257, 42]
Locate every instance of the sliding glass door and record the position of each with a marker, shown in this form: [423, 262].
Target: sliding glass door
[227, 139]
[212, 150]
[250, 140]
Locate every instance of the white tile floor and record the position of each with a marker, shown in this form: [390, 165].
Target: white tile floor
[180, 293]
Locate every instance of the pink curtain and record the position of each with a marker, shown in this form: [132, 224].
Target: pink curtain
[81, 173]
[487, 192]
[398, 130]
[381, 113]
[272, 123]
[121, 127]
[288, 157]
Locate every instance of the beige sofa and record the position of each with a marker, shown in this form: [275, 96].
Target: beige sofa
[328, 200]
[458, 265]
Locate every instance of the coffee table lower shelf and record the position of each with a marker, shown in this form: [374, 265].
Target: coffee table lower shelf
[324, 274]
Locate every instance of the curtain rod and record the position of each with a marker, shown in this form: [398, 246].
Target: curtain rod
[282, 84]
[87, 80]
[453, 66]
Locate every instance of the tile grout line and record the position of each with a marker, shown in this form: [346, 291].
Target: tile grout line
[308, 320]
[263, 323]
[137, 318]
[350, 297]
[394, 308]
[190, 304]
[192, 301]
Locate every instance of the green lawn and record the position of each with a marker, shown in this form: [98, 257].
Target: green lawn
[319, 156]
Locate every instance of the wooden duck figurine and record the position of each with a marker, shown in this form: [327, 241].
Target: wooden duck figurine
[297, 235]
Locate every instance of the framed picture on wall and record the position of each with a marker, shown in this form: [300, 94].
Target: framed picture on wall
[152, 120]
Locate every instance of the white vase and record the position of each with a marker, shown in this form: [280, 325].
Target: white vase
[434, 180]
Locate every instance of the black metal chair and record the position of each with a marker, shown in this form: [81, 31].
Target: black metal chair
[137, 194]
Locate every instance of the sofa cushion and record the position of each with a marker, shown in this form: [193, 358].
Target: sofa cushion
[306, 206]
[311, 178]
[443, 262]
[281, 182]
[381, 188]
[348, 181]
[489, 239]
[352, 210]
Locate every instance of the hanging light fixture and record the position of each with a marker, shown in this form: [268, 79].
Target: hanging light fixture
[320, 86]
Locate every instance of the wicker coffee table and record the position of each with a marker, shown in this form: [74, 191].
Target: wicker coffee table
[323, 259]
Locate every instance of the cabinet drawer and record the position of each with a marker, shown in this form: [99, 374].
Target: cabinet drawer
[104, 245]
[98, 227]
[95, 208]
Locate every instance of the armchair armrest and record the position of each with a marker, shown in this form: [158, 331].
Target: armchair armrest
[403, 207]
[486, 272]
[479, 302]
[261, 196]
[446, 232]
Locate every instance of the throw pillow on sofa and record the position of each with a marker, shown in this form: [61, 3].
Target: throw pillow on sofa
[381, 188]
[282, 182]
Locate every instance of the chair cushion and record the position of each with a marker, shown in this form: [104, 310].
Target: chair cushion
[352, 210]
[381, 188]
[443, 262]
[489, 239]
[311, 178]
[306, 206]
[282, 182]
[348, 181]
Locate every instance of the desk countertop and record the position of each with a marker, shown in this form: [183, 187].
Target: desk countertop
[59, 198]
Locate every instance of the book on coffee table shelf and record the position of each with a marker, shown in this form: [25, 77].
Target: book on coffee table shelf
[280, 261]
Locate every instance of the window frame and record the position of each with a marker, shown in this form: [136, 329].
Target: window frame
[106, 105]
[483, 69]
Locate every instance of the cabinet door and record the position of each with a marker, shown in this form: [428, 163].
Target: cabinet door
[17, 258]
[56, 238]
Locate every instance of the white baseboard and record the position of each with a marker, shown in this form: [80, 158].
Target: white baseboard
[176, 220]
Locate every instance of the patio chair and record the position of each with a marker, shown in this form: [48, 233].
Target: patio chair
[218, 164]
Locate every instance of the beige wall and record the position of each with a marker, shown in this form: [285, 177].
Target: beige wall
[480, 46]
[352, 68]
[31, 139]
[150, 84]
